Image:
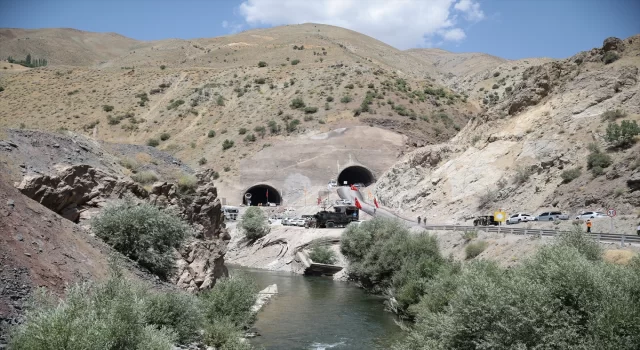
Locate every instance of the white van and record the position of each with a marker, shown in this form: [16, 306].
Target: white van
[230, 213]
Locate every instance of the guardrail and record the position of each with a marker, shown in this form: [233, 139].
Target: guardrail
[604, 237]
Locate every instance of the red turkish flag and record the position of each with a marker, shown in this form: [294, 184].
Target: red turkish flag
[375, 201]
[358, 205]
[353, 188]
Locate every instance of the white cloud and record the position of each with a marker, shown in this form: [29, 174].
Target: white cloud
[232, 26]
[470, 9]
[455, 34]
[400, 23]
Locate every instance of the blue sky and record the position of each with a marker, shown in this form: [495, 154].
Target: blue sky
[506, 28]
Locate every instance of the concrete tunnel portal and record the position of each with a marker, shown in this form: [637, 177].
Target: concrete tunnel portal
[261, 194]
[356, 174]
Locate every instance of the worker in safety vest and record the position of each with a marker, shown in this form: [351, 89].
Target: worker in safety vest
[589, 226]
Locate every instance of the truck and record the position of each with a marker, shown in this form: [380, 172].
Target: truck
[330, 219]
[230, 213]
[485, 220]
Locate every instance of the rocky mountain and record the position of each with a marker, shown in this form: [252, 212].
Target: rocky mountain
[254, 89]
[541, 144]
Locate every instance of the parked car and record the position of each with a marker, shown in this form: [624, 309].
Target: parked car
[591, 215]
[286, 221]
[299, 222]
[551, 216]
[520, 217]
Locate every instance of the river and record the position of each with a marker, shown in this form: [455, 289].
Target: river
[319, 313]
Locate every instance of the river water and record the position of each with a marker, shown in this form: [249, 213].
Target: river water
[319, 313]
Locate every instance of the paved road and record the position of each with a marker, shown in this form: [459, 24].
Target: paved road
[349, 194]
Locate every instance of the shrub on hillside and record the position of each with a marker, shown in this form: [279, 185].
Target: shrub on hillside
[560, 298]
[144, 177]
[187, 183]
[469, 235]
[107, 108]
[274, 128]
[153, 142]
[292, 125]
[261, 130]
[142, 232]
[165, 136]
[329, 98]
[295, 62]
[202, 161]
[262, 64]
[597, 161]
[220, 100]
[254, 223]
[176, 311]
[250, 138]
[488, 197]
[523, 174]
[310, 110]
[349, 86]
[474, 249]
[227, 144]
[322, 254]
[622, 135]
[570, 174]
[346, 99]
[610, 57]
[384, 256]
[297, 103]
[613, 115]
[211, 133]
[163, 67]
[109, 315]
[242, 131]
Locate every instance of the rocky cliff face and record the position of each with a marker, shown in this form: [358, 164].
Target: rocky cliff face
[512, 156]
[79, 192]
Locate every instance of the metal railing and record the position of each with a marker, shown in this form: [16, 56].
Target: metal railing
[598, 236]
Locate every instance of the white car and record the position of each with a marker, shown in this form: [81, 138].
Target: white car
[520, 217]
[299, 222]
[591, 215]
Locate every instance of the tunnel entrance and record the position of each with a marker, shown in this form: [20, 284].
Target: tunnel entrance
[262, 194]
[356, 174]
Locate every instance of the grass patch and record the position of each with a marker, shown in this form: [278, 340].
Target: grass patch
[187, 183]
[144, 177]
[474, 249]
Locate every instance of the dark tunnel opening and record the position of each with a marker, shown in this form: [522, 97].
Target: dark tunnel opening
[356, 174]
[261, 195]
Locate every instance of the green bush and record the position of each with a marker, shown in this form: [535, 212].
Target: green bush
[105, 316]
[231, 299]
[523, 174]
[260, 81]
[613, 115]
[211, 134]
[322, 254]
[220, 100]
[274, 128]
[144, 177]
[164, 136]
[297, 103]
[261, 130]
[597, 161]
[469, 235]
[564, 297]
[187, 183]
[163, 67]
[384, 256]
[329, 98]
[227, 144]
[474, 249]
[142, 232]
[570, 174]
[346, 99]
[495, 86]
[349, 86]
[622, 135]
[153, 142]
[295, 62]
[202, 161]
[129, 163]
[107, 108]
[175, 104]
[254, 223]
[292, 125]
[250, 138]
[610, 57]
[310, 110]
[262, 64]
[177, 311]
[242, 131]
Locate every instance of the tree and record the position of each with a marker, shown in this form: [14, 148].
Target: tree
[28, 60]
[622, 135]
[254, 223]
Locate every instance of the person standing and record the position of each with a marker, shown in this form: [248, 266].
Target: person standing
[638, 229]
[419, 220]
[588, 225]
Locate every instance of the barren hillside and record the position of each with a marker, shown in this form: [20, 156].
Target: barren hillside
[200, 93]
[541, 145]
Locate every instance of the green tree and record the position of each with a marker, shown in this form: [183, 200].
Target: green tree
[142, 232]
[254, 223]
[622, 135]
